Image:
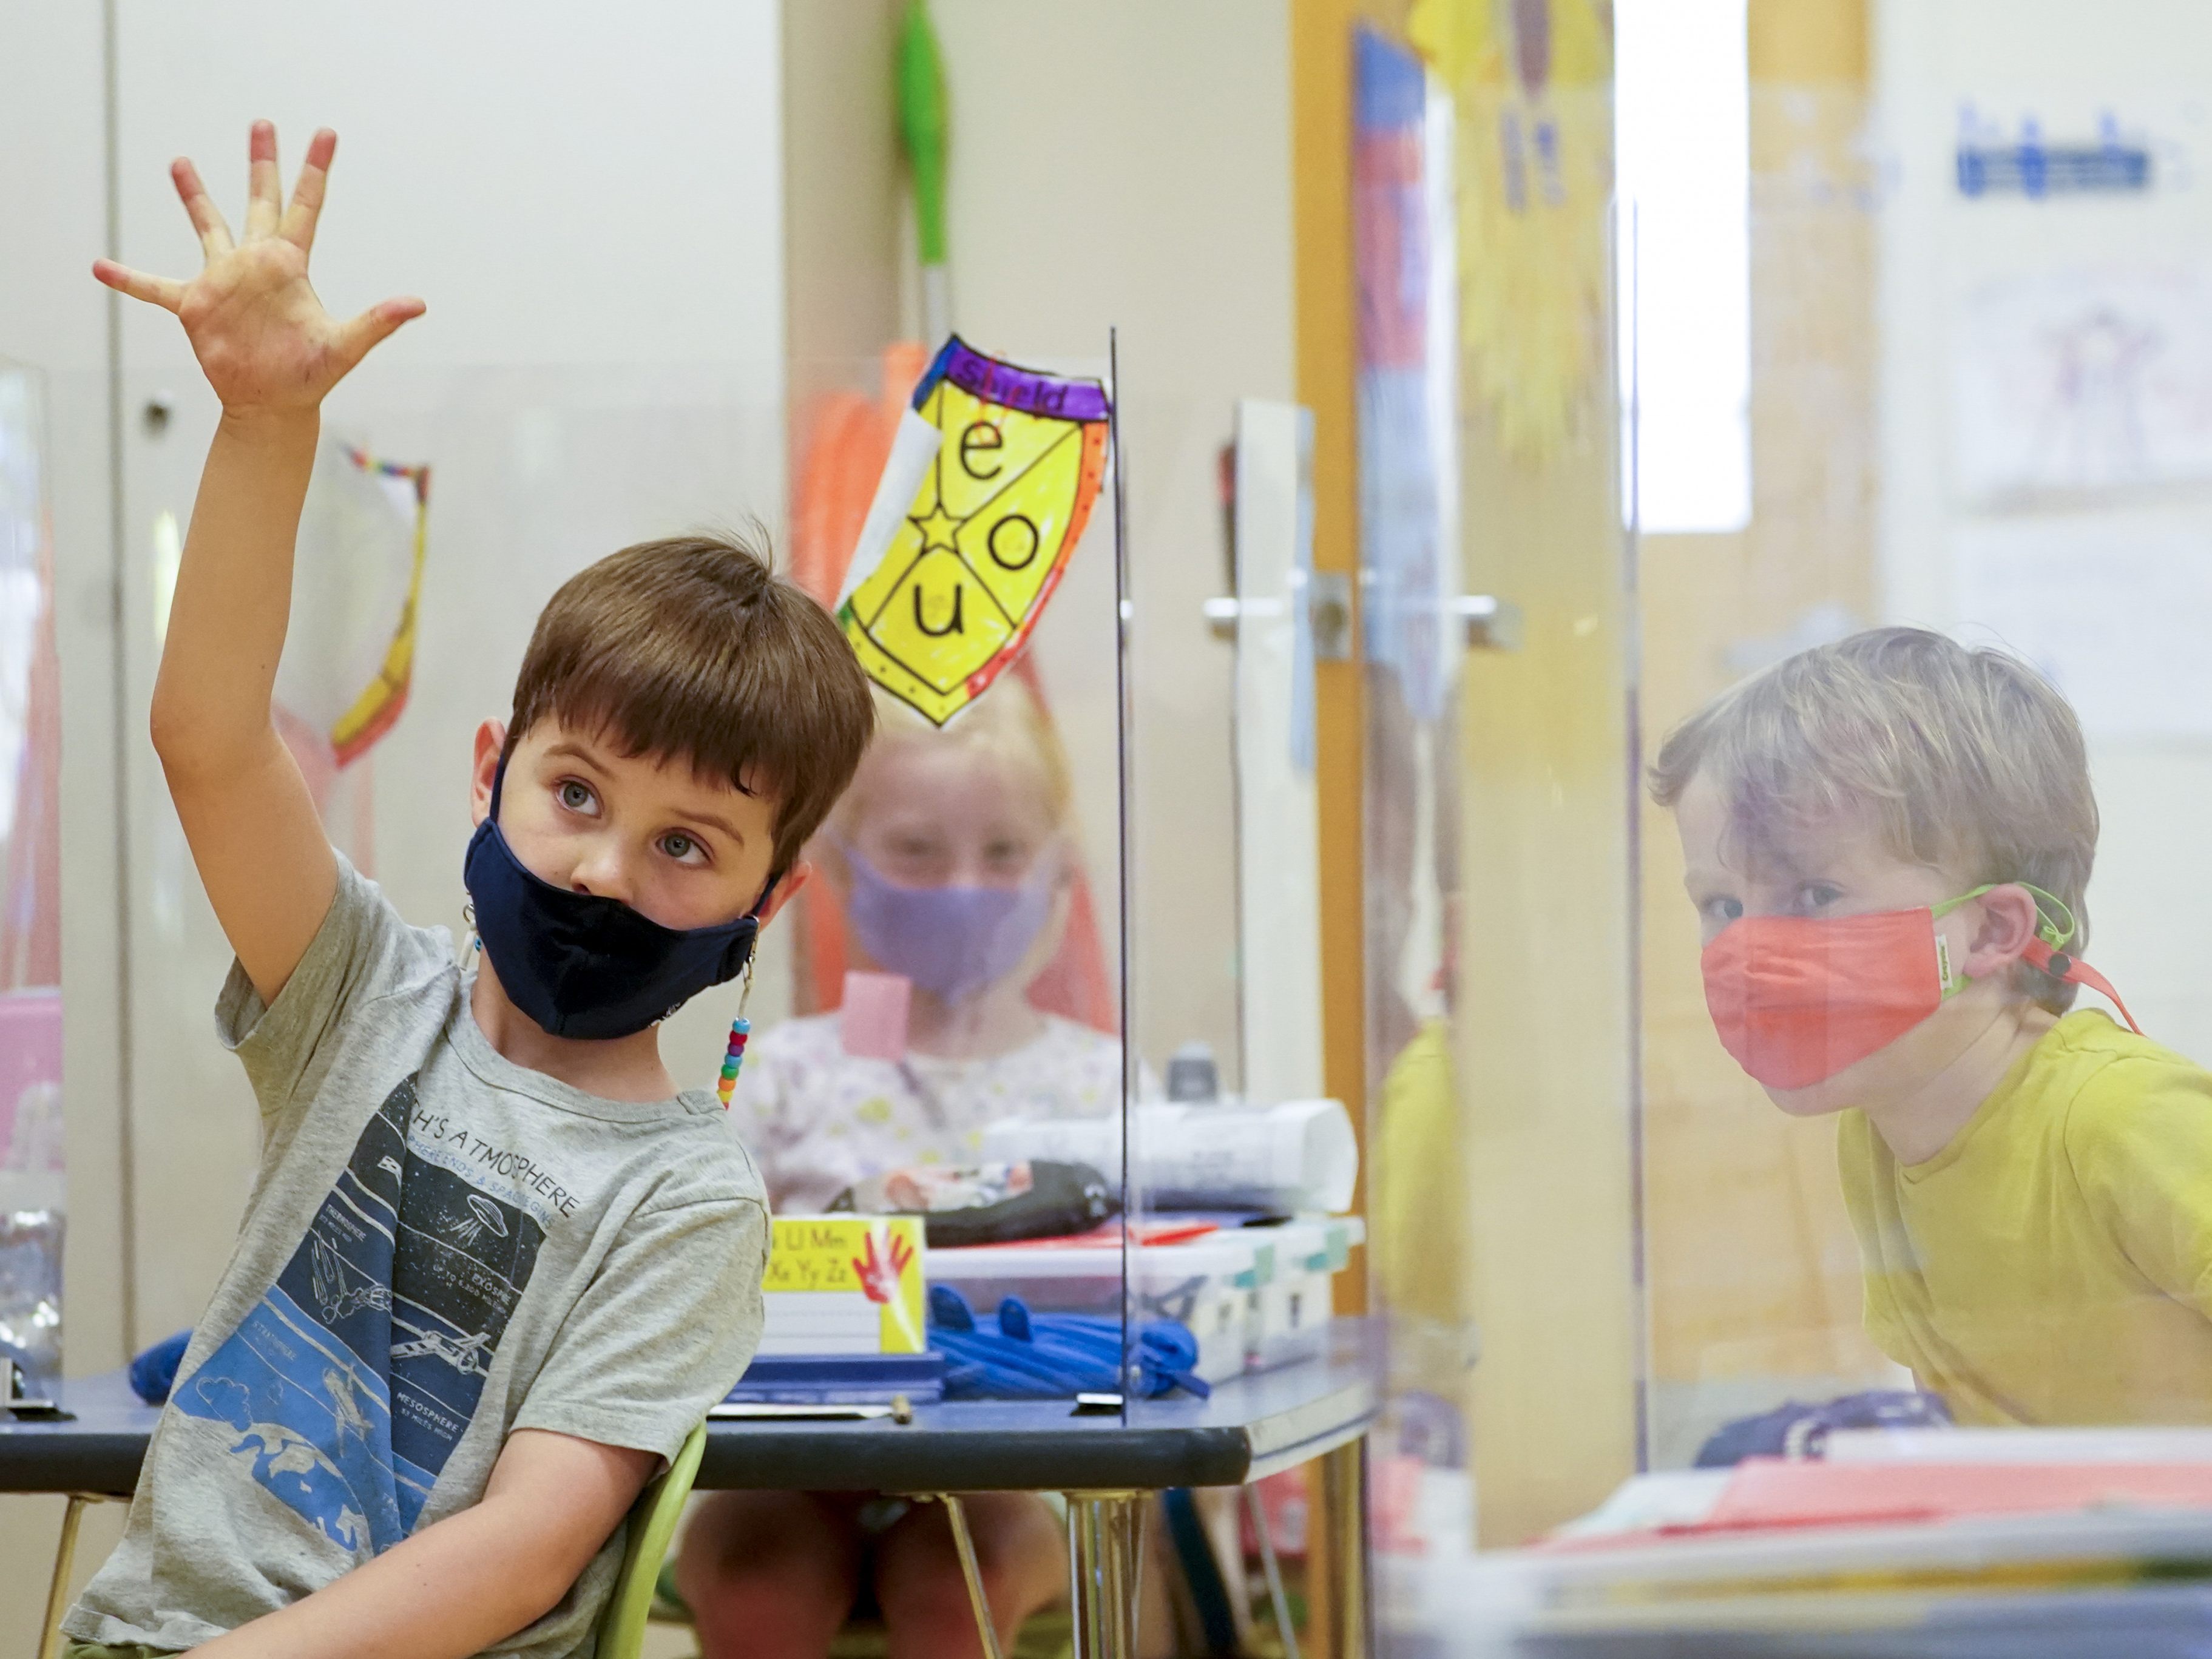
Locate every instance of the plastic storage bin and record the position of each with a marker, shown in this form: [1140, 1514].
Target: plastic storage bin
[1294, 1303]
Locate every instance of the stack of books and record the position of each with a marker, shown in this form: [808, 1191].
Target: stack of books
[1924, 1542]
[846, 1300]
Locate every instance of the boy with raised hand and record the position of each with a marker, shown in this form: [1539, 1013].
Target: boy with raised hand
[1887, 841]
[495, 1265]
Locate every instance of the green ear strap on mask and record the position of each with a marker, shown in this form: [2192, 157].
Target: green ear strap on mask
[2054, 925]
[2054, 921]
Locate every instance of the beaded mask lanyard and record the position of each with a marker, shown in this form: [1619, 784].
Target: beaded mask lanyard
[740, 1029]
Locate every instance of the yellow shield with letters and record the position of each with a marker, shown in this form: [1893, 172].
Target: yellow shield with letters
[996, 468]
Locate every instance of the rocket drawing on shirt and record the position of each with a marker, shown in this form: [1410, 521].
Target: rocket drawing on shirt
[349, 1382]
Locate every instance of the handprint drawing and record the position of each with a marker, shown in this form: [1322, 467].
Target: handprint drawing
[879, 1276]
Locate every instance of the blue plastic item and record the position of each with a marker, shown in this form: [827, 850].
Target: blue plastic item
[1034, 1356]
[153, 1372]
[846, 1379]
[1794, 1428]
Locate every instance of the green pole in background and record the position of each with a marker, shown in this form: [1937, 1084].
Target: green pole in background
[924, 133]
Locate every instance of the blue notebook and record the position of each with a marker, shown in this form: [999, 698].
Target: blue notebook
[842, 1379]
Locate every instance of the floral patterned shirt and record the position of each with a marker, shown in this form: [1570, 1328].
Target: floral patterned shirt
[817, 1119]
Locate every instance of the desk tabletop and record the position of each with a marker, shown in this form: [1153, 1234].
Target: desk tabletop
[1252, 1427]
[97, 1449]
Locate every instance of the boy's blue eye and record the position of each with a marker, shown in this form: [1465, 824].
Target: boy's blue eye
[1818, 894]
[573, 795]
[1724, 909]
[678, 846]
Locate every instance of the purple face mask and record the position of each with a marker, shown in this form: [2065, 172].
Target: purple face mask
[950, 941]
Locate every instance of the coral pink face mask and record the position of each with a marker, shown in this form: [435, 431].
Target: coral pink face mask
[1797, 999]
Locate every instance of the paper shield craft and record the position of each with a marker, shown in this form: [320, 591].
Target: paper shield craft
[991, 479]
[349, 656]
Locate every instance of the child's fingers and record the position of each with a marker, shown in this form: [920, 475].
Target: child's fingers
[154, 290]
[264, 188]
[214, 233]
[299, 225]
[374, 327]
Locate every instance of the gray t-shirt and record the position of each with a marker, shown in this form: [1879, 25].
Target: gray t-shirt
[440, 1247]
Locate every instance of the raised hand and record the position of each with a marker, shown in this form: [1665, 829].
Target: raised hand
[261, 335]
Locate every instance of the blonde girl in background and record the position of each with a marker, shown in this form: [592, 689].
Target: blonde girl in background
[954, 854]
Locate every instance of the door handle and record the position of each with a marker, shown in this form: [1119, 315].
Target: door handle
[1492, 623]
[1324, 596]
[1489, 624]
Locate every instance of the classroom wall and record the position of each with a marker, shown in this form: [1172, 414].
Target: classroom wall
[53, 315]
[2146, 61]
[1129, 165]
[844, 194]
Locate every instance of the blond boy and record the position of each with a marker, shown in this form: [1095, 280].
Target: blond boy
[1887, 841]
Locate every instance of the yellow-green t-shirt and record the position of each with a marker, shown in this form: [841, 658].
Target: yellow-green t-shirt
[1419, 1175]
[2053, 1264]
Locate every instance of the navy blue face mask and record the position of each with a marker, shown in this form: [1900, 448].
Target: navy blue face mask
[583, 965]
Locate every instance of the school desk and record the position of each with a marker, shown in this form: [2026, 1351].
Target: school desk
[1107, 1466]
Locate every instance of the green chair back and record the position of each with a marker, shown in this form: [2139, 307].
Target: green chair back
[651, 1528]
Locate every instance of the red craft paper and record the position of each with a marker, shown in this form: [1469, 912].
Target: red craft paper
[1768, 1492]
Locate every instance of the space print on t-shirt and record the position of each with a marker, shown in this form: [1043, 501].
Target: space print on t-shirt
[353, 1378]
